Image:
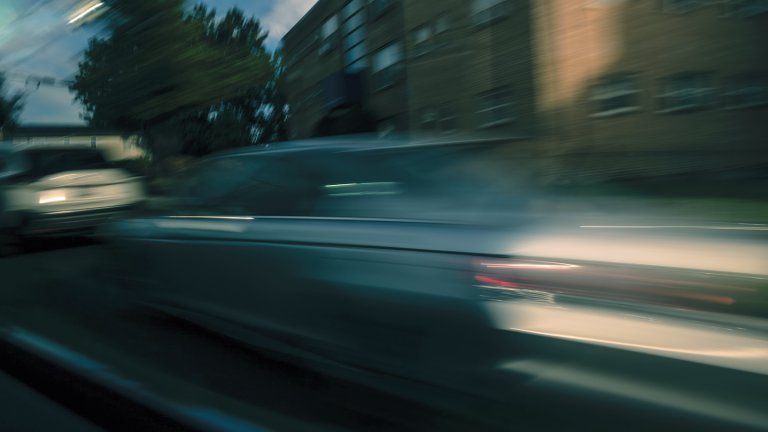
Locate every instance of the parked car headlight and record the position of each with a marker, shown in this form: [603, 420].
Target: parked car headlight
[52, 196]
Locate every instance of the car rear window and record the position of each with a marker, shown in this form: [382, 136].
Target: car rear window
[47, 162]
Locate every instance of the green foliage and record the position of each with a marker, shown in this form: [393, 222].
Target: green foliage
[10, 107]
[162, 70]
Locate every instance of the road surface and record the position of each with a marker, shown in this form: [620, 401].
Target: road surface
[55, 290]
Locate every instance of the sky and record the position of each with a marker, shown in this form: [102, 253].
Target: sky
[35, 39]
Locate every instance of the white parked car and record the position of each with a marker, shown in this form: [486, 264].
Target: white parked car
[54, 191]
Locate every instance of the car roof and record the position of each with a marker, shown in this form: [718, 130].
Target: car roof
[8, 148]
[364, 143]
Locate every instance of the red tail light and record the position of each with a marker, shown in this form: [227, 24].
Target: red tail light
[515, 279]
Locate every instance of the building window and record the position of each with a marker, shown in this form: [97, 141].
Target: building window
[330, 26]
[421, 40]
[446, 119]
[379, 7]
[494, 108]
[354, 33]
[387, 127]
[358, 65]
[354, 38]
[353, 23]
[386, 66]
[746, 92]
[93, 142]
[442, 24]
[354, 54]
[617, 94]
[684, 92]
[680, 6]
[327, 35]
[745, 8]
[486, 12]
[351, 8]
[303, 49]
[427, 119]
[326, 46]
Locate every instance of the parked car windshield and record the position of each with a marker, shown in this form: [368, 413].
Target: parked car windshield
[45, 162]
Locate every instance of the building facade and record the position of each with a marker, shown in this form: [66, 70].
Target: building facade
[599, 88]
[470, 67]
[636, 88]
[346, 55]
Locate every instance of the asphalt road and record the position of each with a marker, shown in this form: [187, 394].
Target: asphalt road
[56, 289]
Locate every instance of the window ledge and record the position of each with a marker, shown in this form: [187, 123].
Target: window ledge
[682, 109]
[495, 124]
[381, 12]
[746, 106]
[679, 12]
[489, 22]
[742, 15]
[615, 112]
[388, 86]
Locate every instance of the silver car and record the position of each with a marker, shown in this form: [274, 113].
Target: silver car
[396, 265]
[55, 191]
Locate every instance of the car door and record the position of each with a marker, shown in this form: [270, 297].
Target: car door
[218, 249]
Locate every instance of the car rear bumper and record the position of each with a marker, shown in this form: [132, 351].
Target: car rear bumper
[62, 223]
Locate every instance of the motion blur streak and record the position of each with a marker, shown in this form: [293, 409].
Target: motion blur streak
[214, 217]
[194, 225]
[650, 334]
[494, 281]
[87, 11]
[220, 420]
[547, 373]
[723, 300]
[746, 256]
[681, 226]
[548, 266]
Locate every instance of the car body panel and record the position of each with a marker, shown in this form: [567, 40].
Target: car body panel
[480, 308]
[62, 198]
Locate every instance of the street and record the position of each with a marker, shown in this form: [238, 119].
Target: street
[54, 290]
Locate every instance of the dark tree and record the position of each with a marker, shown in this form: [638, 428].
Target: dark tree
[164, 72]
[10, 107]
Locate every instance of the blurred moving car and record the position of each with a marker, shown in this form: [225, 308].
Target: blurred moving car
[54, 191]
[405, 260]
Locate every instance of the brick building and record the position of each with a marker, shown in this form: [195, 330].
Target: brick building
[651, 87]
[342, 53]
[602, 88]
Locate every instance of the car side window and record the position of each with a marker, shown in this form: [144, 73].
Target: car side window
[244, 186]
[436, 184]
[363, 187]
[17, 163]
